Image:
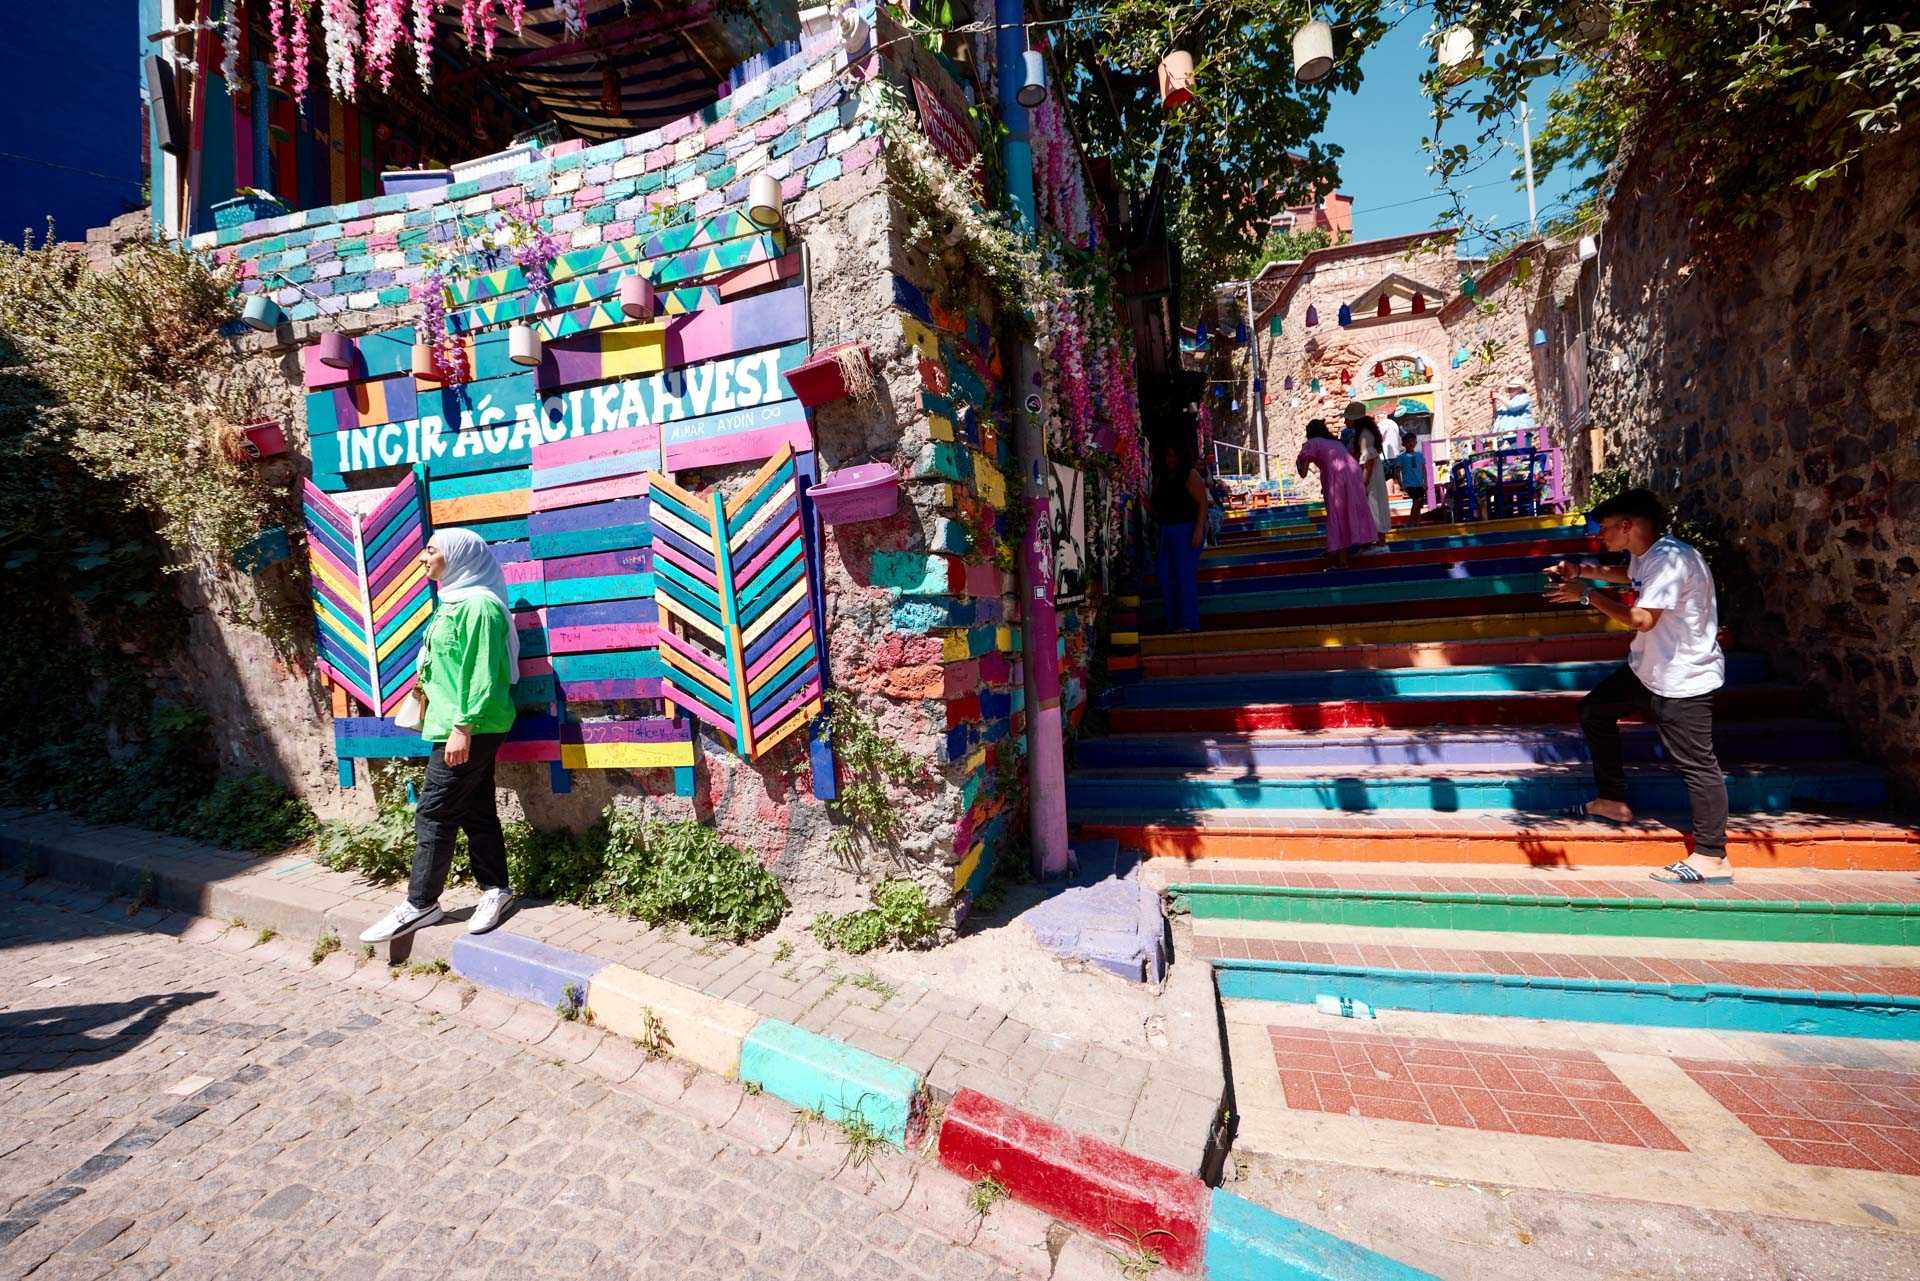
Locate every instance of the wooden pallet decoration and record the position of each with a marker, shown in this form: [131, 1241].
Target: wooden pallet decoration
[371, 597]
[737, 635]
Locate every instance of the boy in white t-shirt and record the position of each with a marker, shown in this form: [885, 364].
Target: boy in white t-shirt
[1672, 670]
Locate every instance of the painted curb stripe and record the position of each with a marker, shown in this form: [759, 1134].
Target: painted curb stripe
[1756, 920]
[1248, 1242]
[1085, 1181]
[818, 1074]
[689, 1025]
[522, 967]
[1718, 1006]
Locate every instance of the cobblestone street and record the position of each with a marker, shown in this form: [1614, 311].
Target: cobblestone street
[173, 1108]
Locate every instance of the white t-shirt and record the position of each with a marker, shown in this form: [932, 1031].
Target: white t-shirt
[1679, 657]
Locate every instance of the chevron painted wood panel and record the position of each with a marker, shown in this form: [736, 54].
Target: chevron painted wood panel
[371, 598]
[738, 643]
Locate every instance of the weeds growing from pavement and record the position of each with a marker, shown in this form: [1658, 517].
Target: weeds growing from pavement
[863, 1139]
[653, 1038]
[868, 981]
[900, 917]
[571, 1003]
[1134, 1257]
[984, 1194]
[324, 946]
[267, 935]
[783, 953]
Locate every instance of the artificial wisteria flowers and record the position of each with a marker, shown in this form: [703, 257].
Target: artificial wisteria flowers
[423, 40]
[230, 42]
[386, 27]
[340, 23]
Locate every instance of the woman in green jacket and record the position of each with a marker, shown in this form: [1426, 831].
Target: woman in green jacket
[467, 669]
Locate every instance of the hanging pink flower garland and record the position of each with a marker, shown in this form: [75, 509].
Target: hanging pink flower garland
[366, 34]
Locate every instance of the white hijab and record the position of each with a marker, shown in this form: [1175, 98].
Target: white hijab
[471, 571]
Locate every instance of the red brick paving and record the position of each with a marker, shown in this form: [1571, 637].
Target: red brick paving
[1855, 1118]
[1872, 980]
[1561, 1094]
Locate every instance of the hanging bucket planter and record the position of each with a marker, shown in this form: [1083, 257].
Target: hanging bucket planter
[1346, 315]
[870, 491]
[422, 363]
[336, 351]
[1313, 315]
[853, 30]
[1176, 79]
[523, 345]
[1539, 337]
[1385, 308]
[637, 299]
[1589, 248]
[844, 369]
[265, 438]
[1312, 52]
[261, 313]
[764, 206]
[1033, 79]
[1419, 304]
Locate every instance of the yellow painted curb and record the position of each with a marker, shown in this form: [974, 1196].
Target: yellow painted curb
[694, 1027]
[1348, 635]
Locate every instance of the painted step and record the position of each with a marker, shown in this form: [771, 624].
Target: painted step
[1856, 909]
[1400, 549]
[1299, 535]
[1557, 621]
[1718, 1006]
[1364, 575]
[1392, 683]
[1579, 647]
[1444, 746]
[1530, 548]
[1400, 602]
[1496, 840]
[1097, 794]
[1544, 708]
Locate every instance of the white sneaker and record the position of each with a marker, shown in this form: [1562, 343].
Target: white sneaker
[487, 912]
[403, 919]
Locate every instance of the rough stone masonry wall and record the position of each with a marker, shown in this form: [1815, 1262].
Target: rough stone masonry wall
[347, 268]
[1775, 391]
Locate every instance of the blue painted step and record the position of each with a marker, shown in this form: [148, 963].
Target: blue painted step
[1522, 745]
[1540, 788]
[1388, 683]
[1723, 1007]
[1570, 534]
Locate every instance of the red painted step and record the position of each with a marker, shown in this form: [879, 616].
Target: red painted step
[1549, 708]
[1383, 611]
[1121, 1197]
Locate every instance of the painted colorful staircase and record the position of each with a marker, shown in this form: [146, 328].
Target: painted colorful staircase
[1355, 785]
[1421, 706]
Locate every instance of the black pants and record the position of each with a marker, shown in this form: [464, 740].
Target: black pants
[458, 798]
[1417, 497]
[1686, 728]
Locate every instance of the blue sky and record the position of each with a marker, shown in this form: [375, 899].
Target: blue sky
[69, 117]
[1385, 167]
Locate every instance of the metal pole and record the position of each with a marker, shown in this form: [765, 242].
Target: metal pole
[1254, 408]
[1526, 148]
[1039, 622]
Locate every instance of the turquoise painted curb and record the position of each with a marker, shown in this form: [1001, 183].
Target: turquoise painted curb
[1721, 1007]
[818, 1074]
[1247, 1242]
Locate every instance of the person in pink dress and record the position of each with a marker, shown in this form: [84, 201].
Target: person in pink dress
[1349, 518]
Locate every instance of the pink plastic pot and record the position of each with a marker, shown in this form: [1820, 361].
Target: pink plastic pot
[336, 350]
[266, 438]
[868, 492]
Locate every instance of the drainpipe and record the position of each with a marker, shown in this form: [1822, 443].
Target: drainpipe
[1039, 622]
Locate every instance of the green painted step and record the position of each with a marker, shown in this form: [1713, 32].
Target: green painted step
[1755, 920]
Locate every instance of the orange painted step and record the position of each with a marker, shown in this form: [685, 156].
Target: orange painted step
[1766, 840]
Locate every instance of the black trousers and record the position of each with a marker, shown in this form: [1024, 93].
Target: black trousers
[458, 798]
[1686, 729]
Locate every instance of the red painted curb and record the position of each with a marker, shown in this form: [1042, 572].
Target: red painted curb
[1544, 707]
[1122, 1198]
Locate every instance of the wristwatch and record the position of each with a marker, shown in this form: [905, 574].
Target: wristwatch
[1586, 595]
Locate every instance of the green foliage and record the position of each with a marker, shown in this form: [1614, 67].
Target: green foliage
[688, 874]
[560, 866]
[870, 766]
[168, 782]
[380, 850]
[324, 946]
[1206, 264]
[1749, 100]
[900, 917]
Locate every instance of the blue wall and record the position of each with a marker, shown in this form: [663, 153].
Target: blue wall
[69, 117]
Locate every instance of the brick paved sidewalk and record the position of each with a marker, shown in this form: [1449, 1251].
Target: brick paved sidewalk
[1166, 1107]
[180, 1098]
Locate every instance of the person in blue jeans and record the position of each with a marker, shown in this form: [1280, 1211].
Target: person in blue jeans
[1179, 503]
[1410, 469]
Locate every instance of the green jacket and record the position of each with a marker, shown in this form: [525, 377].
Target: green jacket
[464, 671]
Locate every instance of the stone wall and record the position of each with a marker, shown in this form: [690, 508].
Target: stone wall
[1774, 391]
